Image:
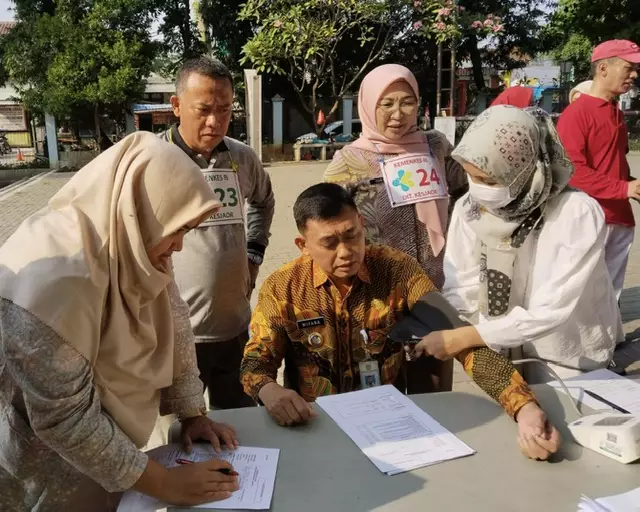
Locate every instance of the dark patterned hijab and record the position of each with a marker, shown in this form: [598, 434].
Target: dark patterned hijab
[519, 149]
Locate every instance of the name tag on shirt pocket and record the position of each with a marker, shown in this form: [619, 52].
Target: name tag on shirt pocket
[310, 322]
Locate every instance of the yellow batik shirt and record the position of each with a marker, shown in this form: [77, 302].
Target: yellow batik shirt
[302, 318]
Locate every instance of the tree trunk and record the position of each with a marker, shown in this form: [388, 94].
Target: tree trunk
[186, 29]
[97, 133]
[476, 61]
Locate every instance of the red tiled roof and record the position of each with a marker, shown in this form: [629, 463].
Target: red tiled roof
[6, 26]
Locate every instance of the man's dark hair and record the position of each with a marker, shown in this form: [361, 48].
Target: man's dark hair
[324, 201]
[202, 65]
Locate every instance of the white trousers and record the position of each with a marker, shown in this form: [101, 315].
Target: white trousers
[616, 254]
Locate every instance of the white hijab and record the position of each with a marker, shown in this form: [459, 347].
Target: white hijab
[519, 149]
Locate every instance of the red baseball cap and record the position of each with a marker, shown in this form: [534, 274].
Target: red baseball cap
[622, 48]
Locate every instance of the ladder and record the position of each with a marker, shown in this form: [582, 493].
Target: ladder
[445, 96]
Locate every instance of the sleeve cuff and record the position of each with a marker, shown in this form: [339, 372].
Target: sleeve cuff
[138, 465]
[256, 249]
[499, 334]
[624, 190]
[255, 387]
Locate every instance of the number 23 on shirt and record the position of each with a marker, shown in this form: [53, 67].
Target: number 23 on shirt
[225, 184]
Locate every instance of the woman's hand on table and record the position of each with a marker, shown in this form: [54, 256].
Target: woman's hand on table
[537, 437]
[201, 428]
[188, 485]
[202, 482]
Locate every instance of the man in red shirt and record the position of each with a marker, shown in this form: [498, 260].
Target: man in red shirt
[593, 131]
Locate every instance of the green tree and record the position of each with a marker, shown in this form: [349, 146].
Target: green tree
[323, 47]
[578, 25]
[180, 36]
[487, 32]
[80, 58]
[225, 33]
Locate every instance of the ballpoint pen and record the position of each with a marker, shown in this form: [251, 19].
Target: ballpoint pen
[224, 471]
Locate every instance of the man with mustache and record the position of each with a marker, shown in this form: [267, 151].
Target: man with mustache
[328, 313]
[594, 133]
[217, 268]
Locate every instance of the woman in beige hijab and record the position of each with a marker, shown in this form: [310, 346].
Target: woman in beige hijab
[96, 341]
[579, 90]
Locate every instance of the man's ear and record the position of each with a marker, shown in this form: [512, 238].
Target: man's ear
[301, 243]
[175, 104]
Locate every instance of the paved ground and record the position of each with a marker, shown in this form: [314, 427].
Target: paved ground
[288, 182]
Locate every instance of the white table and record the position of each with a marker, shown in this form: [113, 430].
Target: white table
[321, 470]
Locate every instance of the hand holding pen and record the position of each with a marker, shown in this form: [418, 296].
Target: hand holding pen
[223, 470]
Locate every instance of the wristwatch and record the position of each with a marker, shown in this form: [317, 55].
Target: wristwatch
[255, 258]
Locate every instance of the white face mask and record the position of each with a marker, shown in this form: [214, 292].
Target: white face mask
[490, 197]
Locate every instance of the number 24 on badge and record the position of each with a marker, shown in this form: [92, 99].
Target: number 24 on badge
[405, 182]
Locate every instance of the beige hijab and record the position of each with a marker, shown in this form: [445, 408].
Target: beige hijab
[80, 265]
[582, 88]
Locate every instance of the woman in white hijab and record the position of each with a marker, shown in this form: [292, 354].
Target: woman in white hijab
[95, 339]
[525, 254]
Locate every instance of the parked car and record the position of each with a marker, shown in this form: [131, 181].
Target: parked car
[333, 133]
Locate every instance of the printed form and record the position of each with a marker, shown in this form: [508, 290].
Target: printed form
[257, 468]
[391, 430]
[619, 390]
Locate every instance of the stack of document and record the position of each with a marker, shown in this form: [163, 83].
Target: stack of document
[257, 468]
[623, 392]
[391, 430]
[627, 502]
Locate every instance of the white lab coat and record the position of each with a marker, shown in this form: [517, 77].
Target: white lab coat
[563, 308]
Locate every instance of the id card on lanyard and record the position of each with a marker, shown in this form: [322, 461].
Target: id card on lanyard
[413, 178]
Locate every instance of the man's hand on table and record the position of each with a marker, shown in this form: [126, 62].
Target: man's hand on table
[201, 428]
[537, 437]
[285, 406]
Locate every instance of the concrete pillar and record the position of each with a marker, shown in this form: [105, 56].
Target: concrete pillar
[253, 109]
[129, 123]
[52, 140]
[547, 100]
[278, 125]
[347, 114]
[446, 125]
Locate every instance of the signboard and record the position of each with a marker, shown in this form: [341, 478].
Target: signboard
[12, 118]
[446, 125]
[165, 118]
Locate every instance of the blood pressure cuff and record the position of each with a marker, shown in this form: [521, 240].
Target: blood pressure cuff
[431, 313]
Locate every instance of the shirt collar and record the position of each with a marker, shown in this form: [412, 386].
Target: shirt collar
[320, 277]
[179, 141]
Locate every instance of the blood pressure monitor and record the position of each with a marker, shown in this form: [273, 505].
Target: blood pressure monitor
[612, 434]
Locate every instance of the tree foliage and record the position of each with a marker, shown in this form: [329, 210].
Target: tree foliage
[578, 25]
[180, 36]
[226, 34]
[323, 47]
[487, 32]
[80, 57]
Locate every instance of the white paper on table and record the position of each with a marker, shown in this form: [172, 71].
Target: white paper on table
[257, 468]
[626, 502]
[391, 430]
[618, 390]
